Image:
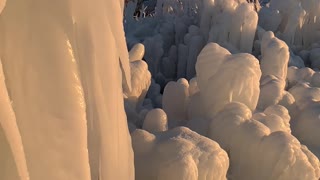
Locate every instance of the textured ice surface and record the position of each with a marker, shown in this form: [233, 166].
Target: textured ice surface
[294, 21]
[224, 78]
[63, 76]
[178, 154]
[246, 140]
[275, 117]
[306, 128]
[174, 101]
[137, 52]
[274, 65]
[140, 82]
[156, 121]
[12, 151]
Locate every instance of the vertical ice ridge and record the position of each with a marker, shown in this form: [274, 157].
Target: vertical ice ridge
[9, 125]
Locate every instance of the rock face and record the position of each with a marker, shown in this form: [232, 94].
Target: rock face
[63, 78]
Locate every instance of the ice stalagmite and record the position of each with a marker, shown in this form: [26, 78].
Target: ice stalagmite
[63, 75]
[223, 78]
[274, 67]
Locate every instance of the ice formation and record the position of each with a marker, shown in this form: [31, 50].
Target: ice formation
[229, 77]
[174, 102]
[219, 68]
[274, 67]
[247, 107]
[275, 117]
[63, 76]
[255, 152]
[178, 154]
[295, 21]
[155, 121]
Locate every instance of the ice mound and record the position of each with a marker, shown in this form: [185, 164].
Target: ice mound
[306, 128]
[174, 102]
[305, 95]
[137, 52]
[275, 117]
[255, 152]
[140, 83]
[156, 121]
[223, 78]
[274, 67]
[178, 154]
[301, 75]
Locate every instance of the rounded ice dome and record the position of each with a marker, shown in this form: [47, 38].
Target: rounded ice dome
[156, 121]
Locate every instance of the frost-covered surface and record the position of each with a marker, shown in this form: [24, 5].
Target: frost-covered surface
[178, 154]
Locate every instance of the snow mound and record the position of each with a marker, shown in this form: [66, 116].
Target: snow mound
[178, 154]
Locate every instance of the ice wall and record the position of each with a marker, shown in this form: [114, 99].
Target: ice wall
[63, 75]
